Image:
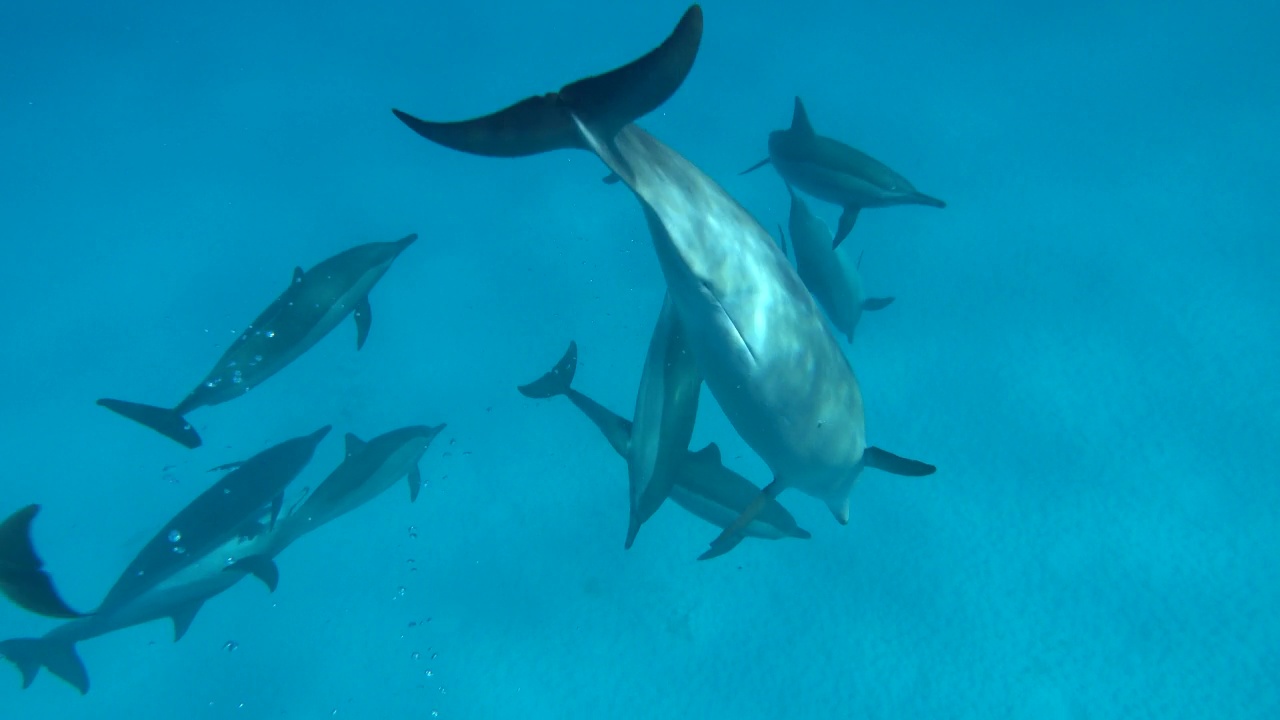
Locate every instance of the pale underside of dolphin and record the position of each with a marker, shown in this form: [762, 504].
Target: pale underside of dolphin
[313, 304]
[700, 482]
[761, 343]
[832, 171]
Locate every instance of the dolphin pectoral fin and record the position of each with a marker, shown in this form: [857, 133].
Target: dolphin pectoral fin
[709, 454]
[22, 579]
[364, 316]
[31, 654]
[876, 303]
[733, 534]
[874, 457]
[415, 483]
[840, 509]
[611, 179]
[558, 380]
[633, 529]
[845, 226]
[277, 504]
[782, 240]
[183, 616]
[165, 421]
[606, 102]
[259, 566]
[757, 166]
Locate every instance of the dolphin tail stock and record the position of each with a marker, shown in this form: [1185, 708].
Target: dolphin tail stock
[558, 380]
[876, 303]
[733, 534]
[24, 582]
[166, 421]
[60, 657]
[919, 198]
[606, 103]
[757, 166]
[874, 457]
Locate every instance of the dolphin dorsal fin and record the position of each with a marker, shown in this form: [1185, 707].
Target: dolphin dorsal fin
[297, 274]
[710, 453]
[354, 444]
[800, 119]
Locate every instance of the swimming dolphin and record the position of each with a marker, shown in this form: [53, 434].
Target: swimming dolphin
[666, 408]
[700, 483]
[838, 289]
[314, 304]
[180, 597]
[759, 339]
[220, 513]
[22, 578]
[830, 170]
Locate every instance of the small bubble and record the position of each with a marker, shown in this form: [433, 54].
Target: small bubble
[174, 536]
[435, 655]
[230, 646]
[416, 655]
[179, 549]
[428, 673]
[272, 333]
[435, 713]
[400, 592]
[226, 491]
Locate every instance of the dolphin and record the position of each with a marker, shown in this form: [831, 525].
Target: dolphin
[666, 408]
[830, 170]
[22, 578]
[759, 339]
[837, 289]
[700, 483]
[314, 304]
[180, 597]
[220, 513]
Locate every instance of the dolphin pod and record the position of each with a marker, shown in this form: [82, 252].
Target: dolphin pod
[759, 340]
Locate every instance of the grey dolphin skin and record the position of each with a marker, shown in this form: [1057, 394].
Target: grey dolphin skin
[22, 577]
[760, 341]
[222, 512]
[362, 475]
[700, 483]
[837, 288]
[831, 170]
[315, 302]
[666, 408]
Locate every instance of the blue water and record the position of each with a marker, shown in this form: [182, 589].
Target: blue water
[1083, 342]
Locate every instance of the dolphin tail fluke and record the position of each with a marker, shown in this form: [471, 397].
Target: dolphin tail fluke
[556, 382]
[168, 422]
[874, 457]
[920, 198]
[733, 534]
[876, 303]
[61, 658]
[606, 103]
[847, 219]
[364, 319]
[25, 583]
[757, 166]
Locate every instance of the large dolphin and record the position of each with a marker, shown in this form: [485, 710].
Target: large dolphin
[837, 288]
[831, 170]
[760, 341]
[224, 511]
[666, 408]
[22, 576]
[700, 483]
[363, 474]
[315, 303]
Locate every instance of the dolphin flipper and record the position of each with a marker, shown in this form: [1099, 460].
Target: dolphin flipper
[415, 483]
[884, 460]
[733, 535]
[556, 382]
[605, 102]
[876, 303]
[259, 566]
[183, 616]
[611, 179]
[21, 578]
[757, 166]
[166, 421]
[364, 316]
[61, 658]
[277, 504]
[782, 240]
[847, 219]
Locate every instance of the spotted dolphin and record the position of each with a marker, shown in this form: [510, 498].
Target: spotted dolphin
[700, 482]
[836, 287]
[761, 343]
[315, 302]
[368, 469]
[832, 171]
[22, 576]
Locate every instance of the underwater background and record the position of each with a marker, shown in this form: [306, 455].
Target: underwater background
[1084, 342]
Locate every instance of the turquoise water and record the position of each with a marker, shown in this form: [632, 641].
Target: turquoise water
[1083, 342]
